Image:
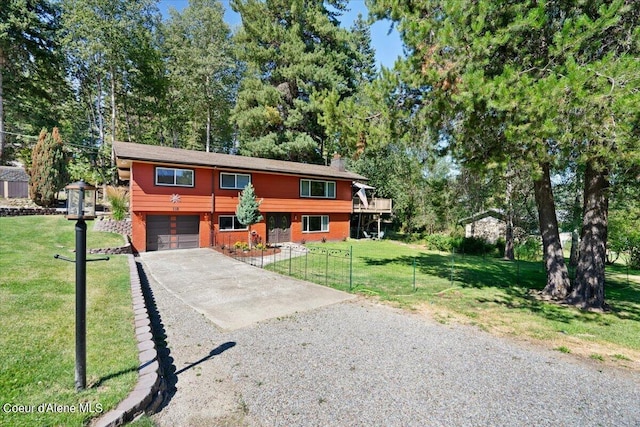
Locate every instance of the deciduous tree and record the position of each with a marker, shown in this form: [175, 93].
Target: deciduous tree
[114, 64]
[203, 76]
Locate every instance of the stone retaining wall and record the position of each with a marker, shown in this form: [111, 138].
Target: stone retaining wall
[112, 226]
[8, 211]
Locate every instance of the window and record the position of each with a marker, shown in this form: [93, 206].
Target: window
[174, 177]
[234, 181]
[311, 188]
[230, 223]
[315, 223]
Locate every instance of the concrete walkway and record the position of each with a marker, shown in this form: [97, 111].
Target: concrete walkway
[231, 293]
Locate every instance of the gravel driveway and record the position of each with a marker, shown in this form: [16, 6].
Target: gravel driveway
[359, 363]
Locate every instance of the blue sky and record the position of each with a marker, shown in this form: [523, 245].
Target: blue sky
[387, 45]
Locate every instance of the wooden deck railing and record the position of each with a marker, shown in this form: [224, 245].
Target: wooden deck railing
[376, 205]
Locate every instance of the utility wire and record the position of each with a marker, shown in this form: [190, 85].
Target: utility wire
[70, 144]
[19, 134]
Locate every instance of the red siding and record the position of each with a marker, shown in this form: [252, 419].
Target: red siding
[146, 196]
[338, 228]
[279, 193]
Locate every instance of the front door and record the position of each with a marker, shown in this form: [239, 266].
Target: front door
[279, 227]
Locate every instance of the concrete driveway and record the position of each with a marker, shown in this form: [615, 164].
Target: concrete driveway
[233, 294]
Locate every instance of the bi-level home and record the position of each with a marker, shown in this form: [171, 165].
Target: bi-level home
[187, 199]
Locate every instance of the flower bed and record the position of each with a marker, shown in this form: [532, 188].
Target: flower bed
[246, 253]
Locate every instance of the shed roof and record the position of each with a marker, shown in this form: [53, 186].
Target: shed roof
[13, 174]
[494, 213]
[127, 151]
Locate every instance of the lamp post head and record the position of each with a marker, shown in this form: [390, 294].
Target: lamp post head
[81, 201]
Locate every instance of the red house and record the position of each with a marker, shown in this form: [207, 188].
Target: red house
[187, 199]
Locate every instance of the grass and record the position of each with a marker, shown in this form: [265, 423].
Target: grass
[489, 293]
[37, 308]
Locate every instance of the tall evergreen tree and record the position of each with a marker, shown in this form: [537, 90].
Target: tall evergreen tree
[48, 170]
[365, 65]
[531, 84]
[30, 67]
[296, 53]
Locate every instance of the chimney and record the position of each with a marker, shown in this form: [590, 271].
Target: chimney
[338, 162]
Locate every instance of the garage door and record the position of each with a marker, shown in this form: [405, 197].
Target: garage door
[172, 232]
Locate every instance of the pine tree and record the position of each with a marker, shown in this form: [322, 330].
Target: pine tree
[48, 172]
[365, 66]
[296, 53]
[248, 209]
[30, 69]
[532, 85]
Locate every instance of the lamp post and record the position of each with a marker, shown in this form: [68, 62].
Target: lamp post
[81, 206]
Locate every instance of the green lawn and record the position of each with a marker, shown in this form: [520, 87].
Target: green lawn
[490, 293]
[37, 313]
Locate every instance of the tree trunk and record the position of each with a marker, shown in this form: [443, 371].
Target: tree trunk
[558, 284]
[508, 241]
[208, 145]
[575, 241]
[588, 291]
[2, 135]
[508, 238]
[208, 98]
[99, 110]
[113, 106]
[576, 220]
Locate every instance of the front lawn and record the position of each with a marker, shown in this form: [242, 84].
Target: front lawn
[37, 309]
[493, 294]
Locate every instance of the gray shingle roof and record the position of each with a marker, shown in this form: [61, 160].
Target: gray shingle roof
[13, 174]
[176, 156]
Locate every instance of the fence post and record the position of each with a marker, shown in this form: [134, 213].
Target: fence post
[350, 268]
[306, 260]
[326, 270]
[290, 260]
[414, 274]
[453, 254]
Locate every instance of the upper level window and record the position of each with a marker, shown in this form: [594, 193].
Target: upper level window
[174, 177]
[234, 181]
[312, 188]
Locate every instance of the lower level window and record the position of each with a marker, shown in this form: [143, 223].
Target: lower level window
[314, 223]
[230, 222]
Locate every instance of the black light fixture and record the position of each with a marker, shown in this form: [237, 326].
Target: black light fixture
[81, 201]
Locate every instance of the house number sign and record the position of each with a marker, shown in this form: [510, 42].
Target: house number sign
[175, 198]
